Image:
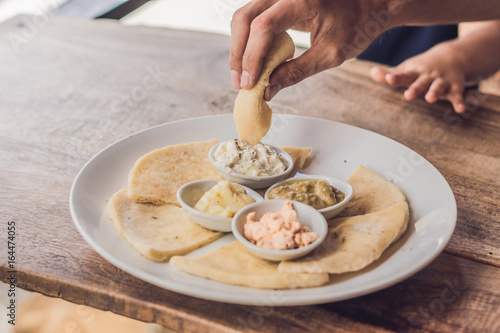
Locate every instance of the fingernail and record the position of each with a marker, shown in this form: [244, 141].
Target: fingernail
[273, 90]
[460, 108]
[235, 79]
[245, 79]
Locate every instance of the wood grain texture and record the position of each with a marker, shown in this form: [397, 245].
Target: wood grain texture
[72, 87]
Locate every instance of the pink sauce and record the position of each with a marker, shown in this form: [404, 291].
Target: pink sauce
[278, 231]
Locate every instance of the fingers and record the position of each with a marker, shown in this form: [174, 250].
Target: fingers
[437, 89]
[378, 74]
[319, 57]
[393, 77]
[401, 79]
[253, 30]
[260, 39]
[240, 31]
[434, 89]
[440, 89]
[456, 98]
[419, 87]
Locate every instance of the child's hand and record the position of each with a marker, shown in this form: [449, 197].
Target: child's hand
[437, 74]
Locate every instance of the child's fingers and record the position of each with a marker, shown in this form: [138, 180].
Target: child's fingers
[401, 79]
[392, 77]
[419, 87]
[378, 74]
[437, 89]
[455, 96]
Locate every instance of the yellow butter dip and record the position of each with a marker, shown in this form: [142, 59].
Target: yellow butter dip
[225, 199]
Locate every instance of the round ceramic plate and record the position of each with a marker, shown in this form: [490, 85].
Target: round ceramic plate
[337, 150]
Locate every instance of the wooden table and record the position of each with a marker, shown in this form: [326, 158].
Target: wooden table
[71, 87]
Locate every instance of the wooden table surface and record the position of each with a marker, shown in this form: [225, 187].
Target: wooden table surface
[69, 88]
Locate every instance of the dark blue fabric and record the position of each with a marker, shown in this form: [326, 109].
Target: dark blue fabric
[398, 44]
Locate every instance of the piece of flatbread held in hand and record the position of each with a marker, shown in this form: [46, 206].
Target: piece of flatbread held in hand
[157, 231]
[354, 242]
[156, 176]
[252, 115]
[234, 264]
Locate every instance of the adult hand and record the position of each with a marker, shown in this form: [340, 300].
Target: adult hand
[339, 30]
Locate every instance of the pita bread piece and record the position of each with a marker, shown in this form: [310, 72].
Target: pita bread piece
[353, 242]
[252, 115]
[158, 175]
[299, 155]
[372, 193]
[157, 232]
[234, 264]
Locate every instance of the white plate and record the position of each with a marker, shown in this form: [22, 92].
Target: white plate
[337, 150]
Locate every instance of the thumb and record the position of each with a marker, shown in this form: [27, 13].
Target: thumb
[319, 57]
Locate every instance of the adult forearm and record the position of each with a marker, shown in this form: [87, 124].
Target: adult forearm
[426, 12]
[340, 30]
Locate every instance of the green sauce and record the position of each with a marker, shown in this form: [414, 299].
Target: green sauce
[316, 193]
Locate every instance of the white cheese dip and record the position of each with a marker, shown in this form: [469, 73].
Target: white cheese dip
[257, 160]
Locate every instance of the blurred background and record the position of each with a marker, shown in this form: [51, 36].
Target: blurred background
[200, 15]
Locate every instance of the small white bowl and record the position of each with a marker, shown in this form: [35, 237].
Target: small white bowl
[307, 215]
[328, 212]
[189, 194]
[253, 181]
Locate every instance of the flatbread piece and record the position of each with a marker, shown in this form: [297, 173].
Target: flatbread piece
[156, 176]
[234, 264]
[252, 115]
[299, 156]
[372, 193]
[157, 231]
[353, 242]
